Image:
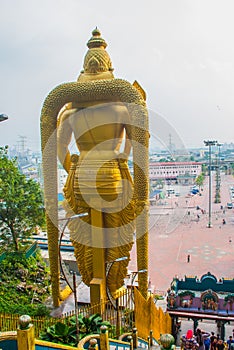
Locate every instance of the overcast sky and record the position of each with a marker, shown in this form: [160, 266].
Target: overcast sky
[180, 51]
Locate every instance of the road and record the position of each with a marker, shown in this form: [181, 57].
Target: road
[175, 231]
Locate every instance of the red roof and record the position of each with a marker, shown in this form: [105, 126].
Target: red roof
[175, 163]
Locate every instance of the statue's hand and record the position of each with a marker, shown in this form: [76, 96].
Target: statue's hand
[140, 206]
[123, 156]
[74, 159]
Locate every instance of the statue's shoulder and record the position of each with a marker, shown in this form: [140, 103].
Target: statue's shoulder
[140, 89]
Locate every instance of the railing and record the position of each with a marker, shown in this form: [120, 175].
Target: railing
[123, 317]
[29, 252]
[10, 322]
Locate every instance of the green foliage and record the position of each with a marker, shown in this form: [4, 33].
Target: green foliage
[186, 293]
[217, 198]
[21, 204]
[158, 297]
[200, 179]
[91, 324]
[24, 286]
[67, 334]
[229, 298]
[60, 333]
[129, 319]
[204, 169]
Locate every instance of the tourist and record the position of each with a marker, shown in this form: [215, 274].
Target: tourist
[220, 345]
[230, 343]
[213, 340]
[213, 346]
[207, 343]
[188, 341]
[200, 337]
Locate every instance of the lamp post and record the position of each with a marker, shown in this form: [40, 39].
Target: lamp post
[67, 220]
[76, 306]
[108, 267]
[72, 284]
[209, 143]
[114, 302]
[218, 178]
[3, 117]
[219, 145]
[134, 274]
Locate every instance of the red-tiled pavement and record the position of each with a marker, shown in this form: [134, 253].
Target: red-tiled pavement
[174, 234]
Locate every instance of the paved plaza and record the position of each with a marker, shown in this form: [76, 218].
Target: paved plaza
[178, 229]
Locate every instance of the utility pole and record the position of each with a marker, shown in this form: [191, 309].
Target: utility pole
[218, 177]
[219, 145]
[210, 144]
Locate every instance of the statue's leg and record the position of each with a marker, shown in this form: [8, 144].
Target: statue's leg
[119, 229]
[98, 283]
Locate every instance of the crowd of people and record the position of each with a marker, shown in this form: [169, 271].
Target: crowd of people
[202, 340]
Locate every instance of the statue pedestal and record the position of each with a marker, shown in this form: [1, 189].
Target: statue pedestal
[98, 283]
[98, 294]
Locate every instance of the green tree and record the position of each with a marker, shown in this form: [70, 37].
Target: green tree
[232, 168]
[200, 180]
[21, 204]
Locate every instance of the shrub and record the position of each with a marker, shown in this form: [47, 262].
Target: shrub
[25, 281]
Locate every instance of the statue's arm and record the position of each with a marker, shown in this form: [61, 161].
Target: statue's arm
[64, 134]
[128, 136]
[127, 146]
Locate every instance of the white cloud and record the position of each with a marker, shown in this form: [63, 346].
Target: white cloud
[180, 51]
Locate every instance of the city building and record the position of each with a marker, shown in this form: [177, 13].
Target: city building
[182, 172]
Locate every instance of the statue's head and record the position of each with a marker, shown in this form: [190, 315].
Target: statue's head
[97, 62]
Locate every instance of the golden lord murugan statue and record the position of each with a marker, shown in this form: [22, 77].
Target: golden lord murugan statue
[106, 117]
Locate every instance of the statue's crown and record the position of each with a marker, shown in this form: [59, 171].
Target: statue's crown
[97, 62]
[96, 40]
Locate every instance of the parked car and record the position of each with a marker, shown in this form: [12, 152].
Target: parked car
[230, 205]
[194, 191]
